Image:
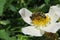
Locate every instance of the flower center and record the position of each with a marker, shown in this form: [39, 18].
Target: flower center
[39, 20]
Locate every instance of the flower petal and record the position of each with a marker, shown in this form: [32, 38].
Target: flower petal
[53, 13]
[32, 31]
[25, 13]
[58, 10]
[52, 27]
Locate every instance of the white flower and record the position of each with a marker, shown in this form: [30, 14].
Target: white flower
[38, 28]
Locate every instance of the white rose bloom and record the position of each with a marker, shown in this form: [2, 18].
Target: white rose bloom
[39, 27]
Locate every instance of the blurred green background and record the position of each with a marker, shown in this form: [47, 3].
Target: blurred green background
[11, 21]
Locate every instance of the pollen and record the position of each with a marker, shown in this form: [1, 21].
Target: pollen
[41, 21]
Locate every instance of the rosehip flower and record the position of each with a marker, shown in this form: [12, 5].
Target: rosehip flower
[39, 23]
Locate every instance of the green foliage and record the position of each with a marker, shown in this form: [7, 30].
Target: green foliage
[4, 22]
[12, 8]
[47, 1]
[21, 37]
[4, 35]
[2, 2]
[11, 21]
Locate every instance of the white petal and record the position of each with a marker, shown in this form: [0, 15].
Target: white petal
[32, 31]
[53, 13]
[25, 13]
[52, 27]
[58, 10]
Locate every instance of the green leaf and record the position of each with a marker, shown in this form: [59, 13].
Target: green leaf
[13, 8]
[4, 35]
[2, 2]
[47, 1]
[40, 7]
[21, 37]
[4, 22]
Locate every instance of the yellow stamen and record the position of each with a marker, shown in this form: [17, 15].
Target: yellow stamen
[40, 21]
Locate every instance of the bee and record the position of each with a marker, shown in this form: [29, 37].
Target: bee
[37, 15]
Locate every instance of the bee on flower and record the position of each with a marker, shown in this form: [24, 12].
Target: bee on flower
[41, 23]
